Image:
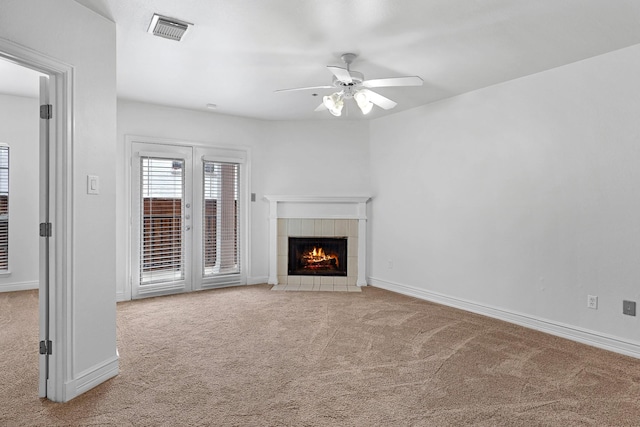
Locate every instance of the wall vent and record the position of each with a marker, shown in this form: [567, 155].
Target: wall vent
[168, 28]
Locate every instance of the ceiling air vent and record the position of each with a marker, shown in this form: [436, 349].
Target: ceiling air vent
[169, 28]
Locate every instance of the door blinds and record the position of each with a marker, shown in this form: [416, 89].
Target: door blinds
[220, 219]
[162, 194]
[4, 207]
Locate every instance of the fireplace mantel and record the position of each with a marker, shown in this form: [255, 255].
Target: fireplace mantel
[317, 207]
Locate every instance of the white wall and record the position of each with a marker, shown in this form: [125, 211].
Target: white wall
[70, 33]
[321, 158]
[19, 126]
[521, 197]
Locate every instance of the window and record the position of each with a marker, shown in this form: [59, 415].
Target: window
[220, 215]
[4, 207]
[162, 191]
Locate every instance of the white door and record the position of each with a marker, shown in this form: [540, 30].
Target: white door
[162, 218]
[218, 218]
[45, 240]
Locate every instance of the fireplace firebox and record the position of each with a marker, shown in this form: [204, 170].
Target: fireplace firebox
[317, 256]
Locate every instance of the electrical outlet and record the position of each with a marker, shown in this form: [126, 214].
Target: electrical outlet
[592, 302]
[390, 264]
[629, 308]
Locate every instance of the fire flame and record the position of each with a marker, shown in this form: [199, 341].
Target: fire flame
[317, 255]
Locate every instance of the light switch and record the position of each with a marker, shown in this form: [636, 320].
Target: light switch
[93, 184]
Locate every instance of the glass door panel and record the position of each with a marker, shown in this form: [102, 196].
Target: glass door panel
[162, 219]
[161, 252]
[220, 218]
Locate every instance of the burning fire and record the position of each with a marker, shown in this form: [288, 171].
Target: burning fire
[317, 258]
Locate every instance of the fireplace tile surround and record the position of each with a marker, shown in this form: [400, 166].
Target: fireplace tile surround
[317, 228]
[317, 216]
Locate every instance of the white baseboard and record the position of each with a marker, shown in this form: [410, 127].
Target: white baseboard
[258, 280]
[21, 286]
[573, 333]
[91, 378]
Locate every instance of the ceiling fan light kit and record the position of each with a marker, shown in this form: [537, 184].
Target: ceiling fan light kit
[362, 99]
[351, 84]
[334, 103]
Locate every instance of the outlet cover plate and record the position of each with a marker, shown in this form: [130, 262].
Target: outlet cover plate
[592, 302]
[629, 308]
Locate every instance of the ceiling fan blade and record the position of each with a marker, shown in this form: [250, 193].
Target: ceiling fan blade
[394, 81]
[379, 100]
[341, 74]
[321, 107]
[304, 88]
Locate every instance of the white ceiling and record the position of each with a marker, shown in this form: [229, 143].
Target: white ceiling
[240, 51]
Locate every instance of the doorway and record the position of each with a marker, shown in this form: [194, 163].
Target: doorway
[55, 207]
[162, 207]
[188, 217]
[19, 185]
[24, 193]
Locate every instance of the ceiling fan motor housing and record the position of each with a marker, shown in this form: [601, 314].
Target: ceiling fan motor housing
[349, 87]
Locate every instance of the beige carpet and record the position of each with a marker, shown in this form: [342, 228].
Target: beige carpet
[250, 357]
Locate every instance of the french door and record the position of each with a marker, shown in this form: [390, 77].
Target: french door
[186, 216]
[162, 219]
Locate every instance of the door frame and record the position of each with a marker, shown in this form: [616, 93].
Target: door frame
[61, 281]
[166, 152]
[225, 151]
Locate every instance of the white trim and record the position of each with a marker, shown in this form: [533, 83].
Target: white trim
[227, 157]
[91, 378]
[20, 286]
[258, 280]
[318, 199]
[208, 286]
[121, 296]
[159, 154]
[170, 151]
[226, 148]
[238, 153]
[233, 156]
[584, 336]
[162, 289]
[362, 253]
[317, 207]
[61, 277]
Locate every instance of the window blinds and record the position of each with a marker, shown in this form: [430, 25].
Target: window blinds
[162, 193]
[220, 219]
[4, 207]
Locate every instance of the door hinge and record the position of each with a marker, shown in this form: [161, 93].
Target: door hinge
[46, 111]
[46, 347]
[45, 229]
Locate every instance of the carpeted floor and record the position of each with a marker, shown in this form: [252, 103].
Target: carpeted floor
[246, 356]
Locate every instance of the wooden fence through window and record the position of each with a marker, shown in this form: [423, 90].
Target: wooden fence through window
[162, 233]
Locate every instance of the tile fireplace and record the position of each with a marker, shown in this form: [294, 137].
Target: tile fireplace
[316, 240]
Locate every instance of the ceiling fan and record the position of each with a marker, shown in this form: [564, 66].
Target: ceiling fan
[352, 85]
